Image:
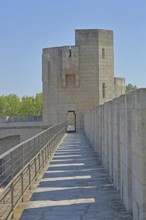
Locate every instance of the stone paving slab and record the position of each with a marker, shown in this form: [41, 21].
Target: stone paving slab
[75, 187]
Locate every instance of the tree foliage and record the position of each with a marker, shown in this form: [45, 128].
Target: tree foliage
[38, 104]
[12, 105]
[130, 88]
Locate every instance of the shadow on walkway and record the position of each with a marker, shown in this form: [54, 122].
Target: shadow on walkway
[75, 187]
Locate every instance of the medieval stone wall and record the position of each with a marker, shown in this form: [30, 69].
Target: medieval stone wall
[8, 142]
[23, 129]
[119, 84]
[117, 131]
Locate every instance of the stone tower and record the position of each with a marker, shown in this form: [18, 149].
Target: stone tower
[78, 78]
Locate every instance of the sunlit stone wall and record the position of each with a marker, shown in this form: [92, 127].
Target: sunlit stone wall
[117, 131]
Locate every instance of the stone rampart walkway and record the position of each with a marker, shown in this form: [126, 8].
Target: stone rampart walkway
[75, 187]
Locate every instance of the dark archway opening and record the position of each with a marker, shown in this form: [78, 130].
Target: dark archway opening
[71, 121]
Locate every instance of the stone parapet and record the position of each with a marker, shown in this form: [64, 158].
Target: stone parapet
[20, 119]
[117, 131]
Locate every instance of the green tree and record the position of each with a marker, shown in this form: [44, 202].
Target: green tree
[3, 105]
[13, 105]
[27, 106]
[38, 104]
[130, 88]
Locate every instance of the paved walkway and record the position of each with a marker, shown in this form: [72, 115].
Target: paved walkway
[75, 187]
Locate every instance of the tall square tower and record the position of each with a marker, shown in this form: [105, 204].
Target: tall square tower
[78, 78]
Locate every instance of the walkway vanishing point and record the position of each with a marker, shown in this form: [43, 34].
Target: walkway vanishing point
[75, 187]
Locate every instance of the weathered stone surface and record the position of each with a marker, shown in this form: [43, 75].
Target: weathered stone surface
[121, 129]
[8, 142]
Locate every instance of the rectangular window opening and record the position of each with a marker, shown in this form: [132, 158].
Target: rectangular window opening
[103, 53]
[69, 51]
[48, 70]
[103, 90]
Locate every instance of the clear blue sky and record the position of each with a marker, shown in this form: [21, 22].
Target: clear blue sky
[27, 26]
